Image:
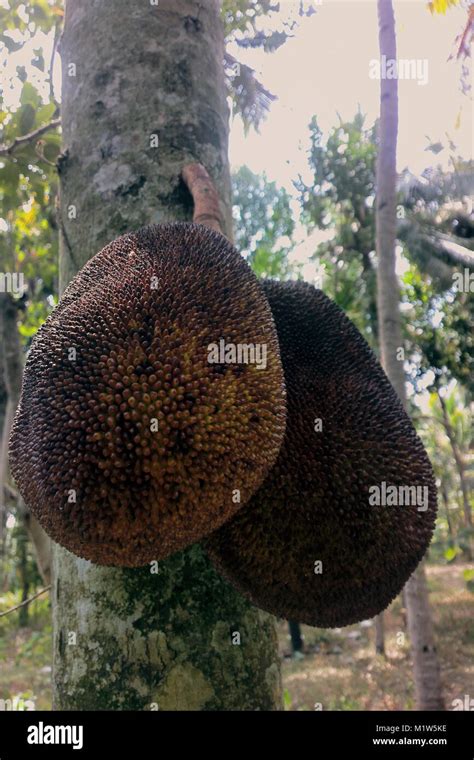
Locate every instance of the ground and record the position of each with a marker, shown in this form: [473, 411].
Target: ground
[339, 671]
[342, 672]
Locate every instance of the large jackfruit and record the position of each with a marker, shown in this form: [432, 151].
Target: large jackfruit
[128, 443]
[322, 541]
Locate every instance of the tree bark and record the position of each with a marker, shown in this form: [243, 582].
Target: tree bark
[423, 647]
[425, 660]
[130, 639]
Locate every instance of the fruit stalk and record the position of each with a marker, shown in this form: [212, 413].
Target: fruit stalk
[204, 194]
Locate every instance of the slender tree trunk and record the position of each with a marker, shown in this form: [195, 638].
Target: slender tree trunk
[295, 635]
[41, 544]
[6, 428]
[425, 660]
[380, 634]
[424, 655]
[461, 471]
[136, 76]
[3, 392]
[13, 372]
[22, 558]
[444, 494]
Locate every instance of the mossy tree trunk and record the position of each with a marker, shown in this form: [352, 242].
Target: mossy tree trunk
[143, 94]
[425, 659]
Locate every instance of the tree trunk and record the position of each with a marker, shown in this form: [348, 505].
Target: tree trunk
[295, 635]
[6, 428]
[41, 544]
[425, 660]
[13, 372]
[444, 494]
[22, 559]
[130, 639]
[380, 634]
[461, 472]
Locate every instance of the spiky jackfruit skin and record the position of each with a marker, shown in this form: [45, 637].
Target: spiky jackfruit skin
[314, 505]
[128, 444]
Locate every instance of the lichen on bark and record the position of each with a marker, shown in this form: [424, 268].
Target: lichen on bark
[135, 639]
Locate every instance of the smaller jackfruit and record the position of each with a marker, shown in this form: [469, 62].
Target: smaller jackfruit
[129, 443]
[348, 511]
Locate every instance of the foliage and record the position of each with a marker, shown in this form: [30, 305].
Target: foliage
[340, 199]
[28, 181]
[469, 578]
[242, 21]
[263, 222]
[22, 21]
[452, 536]
[438, 329]
[436, 214]
[441, 6]
[241, 16]
[248, 24]
[437, 317]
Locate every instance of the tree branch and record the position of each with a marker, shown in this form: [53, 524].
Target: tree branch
[437, 244]
[12, 492]
[27, 601]
[455, 254]
[7, 150]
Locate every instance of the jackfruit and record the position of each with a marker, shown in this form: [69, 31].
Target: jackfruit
[322, 542]
[128, 443]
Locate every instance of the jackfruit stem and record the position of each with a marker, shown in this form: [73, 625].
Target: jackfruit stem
[204, 194]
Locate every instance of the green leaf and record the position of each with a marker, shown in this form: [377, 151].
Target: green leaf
[27, 331]
[26, 119]
[45, 113]
[29, 94]
[38, 60]
[9, 178]
[21, 73]
[10, 44]
[451, 553]
[469, 578]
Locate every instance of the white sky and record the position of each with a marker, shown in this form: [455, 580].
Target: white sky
[324, 70]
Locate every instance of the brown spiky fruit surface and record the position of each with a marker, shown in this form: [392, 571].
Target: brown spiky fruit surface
[128, 444]
[314, 506]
